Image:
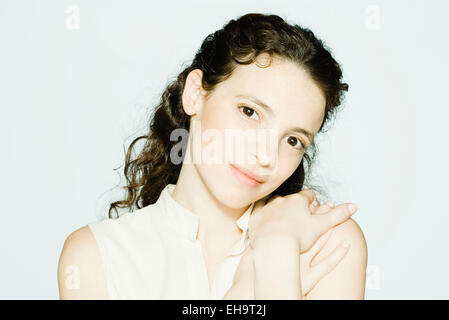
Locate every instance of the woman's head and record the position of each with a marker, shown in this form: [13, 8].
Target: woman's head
[253, 62]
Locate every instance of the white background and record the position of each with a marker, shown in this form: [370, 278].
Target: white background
[73, 94]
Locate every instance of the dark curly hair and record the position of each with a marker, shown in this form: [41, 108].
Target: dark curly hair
[239, 42]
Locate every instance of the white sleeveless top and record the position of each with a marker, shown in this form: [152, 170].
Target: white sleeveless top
[152, 253]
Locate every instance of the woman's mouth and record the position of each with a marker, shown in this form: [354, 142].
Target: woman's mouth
[246, 177]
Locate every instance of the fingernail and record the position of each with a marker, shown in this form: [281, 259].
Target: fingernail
[314, 203]
[352, 208]
[345, 243]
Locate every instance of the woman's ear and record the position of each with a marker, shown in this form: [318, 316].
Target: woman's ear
[191, 96]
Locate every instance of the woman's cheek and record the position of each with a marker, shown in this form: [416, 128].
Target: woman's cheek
[288, 163]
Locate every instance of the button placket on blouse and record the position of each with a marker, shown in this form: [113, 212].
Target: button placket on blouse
[188, 227]
[235, 250]
[204, 290]
[208, 291]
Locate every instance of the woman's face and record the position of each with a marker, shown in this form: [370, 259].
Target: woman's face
[227, 129]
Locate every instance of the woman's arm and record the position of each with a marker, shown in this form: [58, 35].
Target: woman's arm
[316, 265]
[319, 280]
[347, 280]
[276, 269]
[80, 270]
[243, 282]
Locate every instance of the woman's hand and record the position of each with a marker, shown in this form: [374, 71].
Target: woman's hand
[311, 274]
[291, 217]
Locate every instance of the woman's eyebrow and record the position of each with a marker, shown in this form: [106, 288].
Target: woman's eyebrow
[305, 132]
[309, 135]
[256, 101]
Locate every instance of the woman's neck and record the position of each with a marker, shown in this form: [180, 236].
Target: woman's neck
[215, 218]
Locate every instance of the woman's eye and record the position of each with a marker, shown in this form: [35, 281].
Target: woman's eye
[249, 112]
[295, 142]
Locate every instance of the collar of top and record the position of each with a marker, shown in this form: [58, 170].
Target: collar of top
[186, 222]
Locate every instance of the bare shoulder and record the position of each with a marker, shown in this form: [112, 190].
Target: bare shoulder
[351, 230]
[347, 230]
[80, 268]
[347, 279]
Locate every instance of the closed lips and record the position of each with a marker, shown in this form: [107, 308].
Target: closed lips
[249, 173]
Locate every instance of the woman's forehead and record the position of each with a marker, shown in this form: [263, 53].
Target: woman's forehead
[285, 87]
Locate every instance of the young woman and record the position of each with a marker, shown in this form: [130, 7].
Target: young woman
[208, 224]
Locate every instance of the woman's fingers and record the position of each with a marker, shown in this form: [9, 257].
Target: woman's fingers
[337, 215]
[309, 195]
[318, 245]
[320, 269]
[324, 208]
[314, 206]
[330, 203]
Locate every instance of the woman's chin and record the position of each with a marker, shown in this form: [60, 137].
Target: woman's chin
[233, 195]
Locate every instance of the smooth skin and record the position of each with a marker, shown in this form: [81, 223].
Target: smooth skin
[281, 229]
[295, 101]
[328, 270]
[80, 269]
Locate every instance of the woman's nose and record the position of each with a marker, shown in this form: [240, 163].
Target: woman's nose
[266, 148]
